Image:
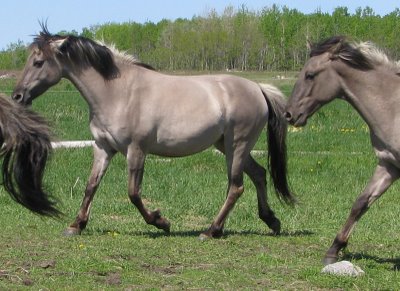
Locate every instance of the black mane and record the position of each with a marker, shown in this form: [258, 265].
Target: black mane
[347, 52]
[79, 50]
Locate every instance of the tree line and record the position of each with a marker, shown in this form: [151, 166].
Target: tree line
[273, 39]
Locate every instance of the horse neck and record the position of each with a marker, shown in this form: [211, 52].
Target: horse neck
[369, 92]
[91, 85]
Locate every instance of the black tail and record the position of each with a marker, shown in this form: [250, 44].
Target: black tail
[25, 147]
[277, 129]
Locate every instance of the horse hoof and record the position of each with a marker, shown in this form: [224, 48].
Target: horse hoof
[277, 230]
[211, 233]
[159, 221]
[204, 237]
[162, 223]
[275, 226]
[165, 226]
[329, 260]
[71, 231]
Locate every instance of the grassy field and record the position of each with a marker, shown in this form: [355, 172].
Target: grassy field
[330, 162]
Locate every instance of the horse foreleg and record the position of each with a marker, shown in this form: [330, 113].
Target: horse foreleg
[100, 163]
[257, 175]
[136, 160]
[385, 174]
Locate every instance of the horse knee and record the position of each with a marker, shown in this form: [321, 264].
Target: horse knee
[238, 191]
[234, 194]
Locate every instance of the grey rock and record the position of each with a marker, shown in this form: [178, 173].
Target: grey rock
[343, 268]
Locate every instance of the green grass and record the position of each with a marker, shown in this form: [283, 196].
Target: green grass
[330, 162]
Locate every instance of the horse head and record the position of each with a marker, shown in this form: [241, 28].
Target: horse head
[42, 69]
[53, 57]
[318, 83]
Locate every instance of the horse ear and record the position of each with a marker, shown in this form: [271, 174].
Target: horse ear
[335, 50]
[58, 43]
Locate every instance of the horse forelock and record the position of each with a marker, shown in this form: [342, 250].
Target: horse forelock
[41, 43]
[362, 55]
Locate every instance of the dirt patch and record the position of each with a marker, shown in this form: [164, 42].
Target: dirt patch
[109, 278]
[165, 270]
[113, 279]
[18, 276]
[47, 264]
[9, 74]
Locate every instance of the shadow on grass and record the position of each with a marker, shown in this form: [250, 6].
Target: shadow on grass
[227, 233]
[379, 260]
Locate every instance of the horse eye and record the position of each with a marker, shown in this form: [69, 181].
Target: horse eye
[310, 76]
[38, 64]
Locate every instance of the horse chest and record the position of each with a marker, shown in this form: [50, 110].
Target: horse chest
[387, 153]
[116, 138]
[386, 144]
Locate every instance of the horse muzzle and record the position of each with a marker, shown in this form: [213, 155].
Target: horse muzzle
[295, 120]
[21, 97]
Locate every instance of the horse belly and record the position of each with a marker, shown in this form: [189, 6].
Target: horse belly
[185, 139]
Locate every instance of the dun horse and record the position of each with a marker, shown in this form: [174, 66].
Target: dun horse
[137, 111]
[25, 146]
[364, 76]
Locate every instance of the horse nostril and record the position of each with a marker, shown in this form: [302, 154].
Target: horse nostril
[17, 97]
[287, 115]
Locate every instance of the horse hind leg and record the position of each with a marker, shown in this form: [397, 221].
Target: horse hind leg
[235, 190]
[384, 176]
[235, 165]
[257, 174]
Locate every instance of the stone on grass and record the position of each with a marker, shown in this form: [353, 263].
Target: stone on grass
[343, 268]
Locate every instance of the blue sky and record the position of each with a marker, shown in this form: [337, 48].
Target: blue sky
[19, 18]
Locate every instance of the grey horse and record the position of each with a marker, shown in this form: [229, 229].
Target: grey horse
[364, 76]
[137, 111]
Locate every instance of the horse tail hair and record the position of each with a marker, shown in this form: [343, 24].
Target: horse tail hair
[25, 147]
[276, 136]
